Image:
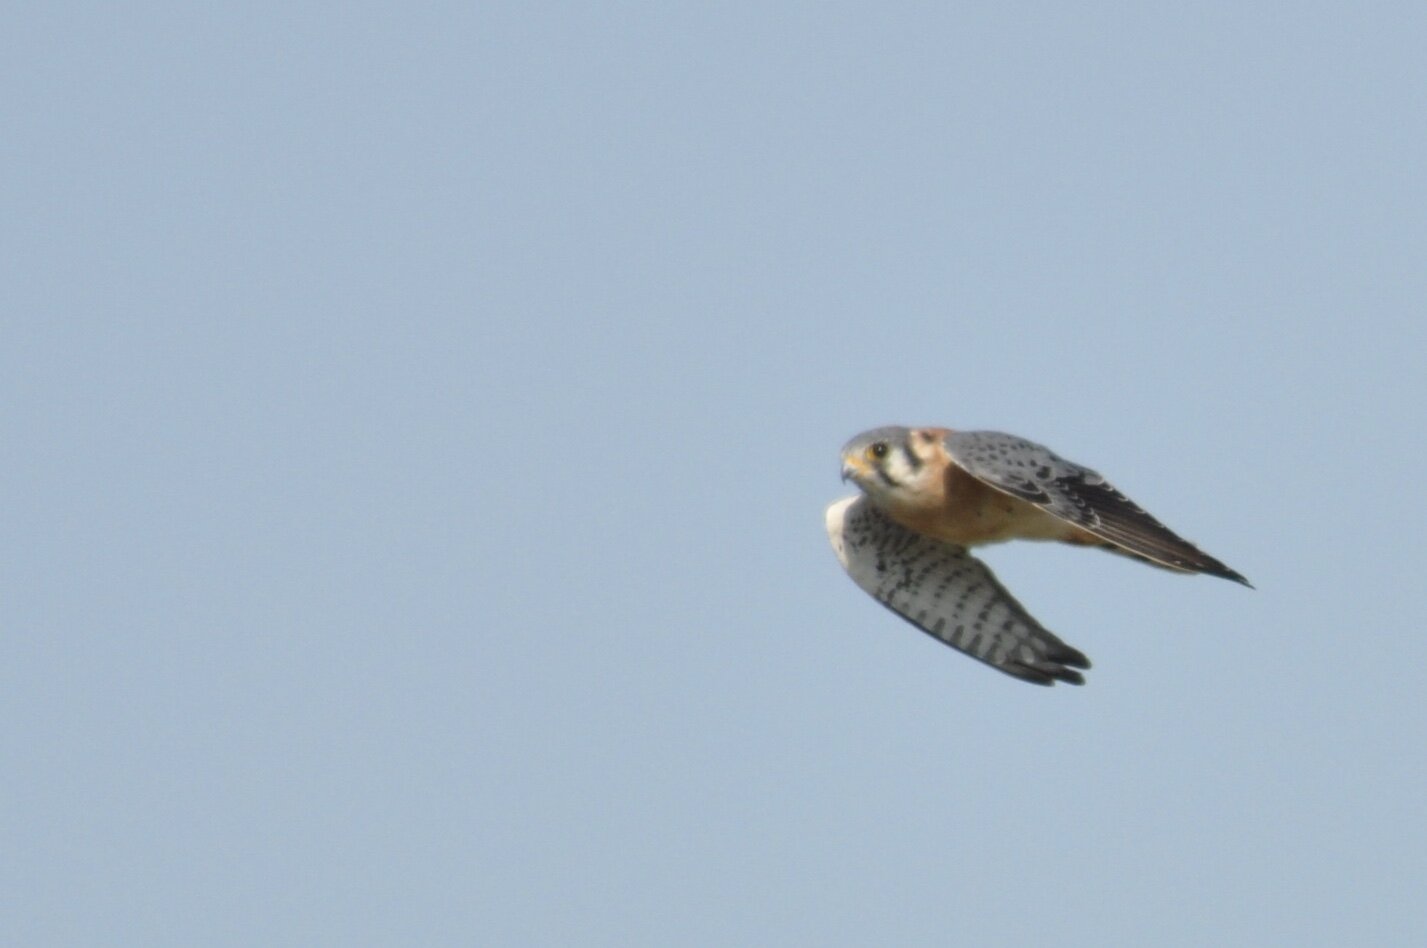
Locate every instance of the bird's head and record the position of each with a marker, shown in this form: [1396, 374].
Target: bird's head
[887, 463]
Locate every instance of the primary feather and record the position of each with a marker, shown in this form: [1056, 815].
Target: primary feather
[947, 593]
[1077, 495]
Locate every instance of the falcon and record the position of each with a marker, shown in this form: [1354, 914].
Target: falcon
[929, 494]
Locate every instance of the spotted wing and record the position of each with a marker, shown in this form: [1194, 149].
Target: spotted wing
[947, 593]
[1078, 495]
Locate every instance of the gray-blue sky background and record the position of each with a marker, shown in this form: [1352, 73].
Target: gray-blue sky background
[419, 423]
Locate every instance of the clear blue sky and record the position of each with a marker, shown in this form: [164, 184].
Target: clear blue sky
[419, 420]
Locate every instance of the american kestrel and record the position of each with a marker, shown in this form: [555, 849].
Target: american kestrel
[930, 493]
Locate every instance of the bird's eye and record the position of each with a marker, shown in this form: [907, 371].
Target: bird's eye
[878, 450]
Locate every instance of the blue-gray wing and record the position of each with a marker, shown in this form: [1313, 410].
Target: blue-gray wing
[947, 593]
[1077, 495]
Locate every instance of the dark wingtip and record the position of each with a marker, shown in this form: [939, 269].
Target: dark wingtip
[1206, 564]
[1044, 673]
[1066, 655]
[1223, 572]
[1057, 662]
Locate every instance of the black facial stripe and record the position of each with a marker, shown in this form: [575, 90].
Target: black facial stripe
[886, 478]
[913, 462]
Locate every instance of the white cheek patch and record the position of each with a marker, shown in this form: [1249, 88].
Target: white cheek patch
[908, 472]
[897, 468]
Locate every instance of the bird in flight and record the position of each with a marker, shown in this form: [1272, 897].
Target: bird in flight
[930, 493]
